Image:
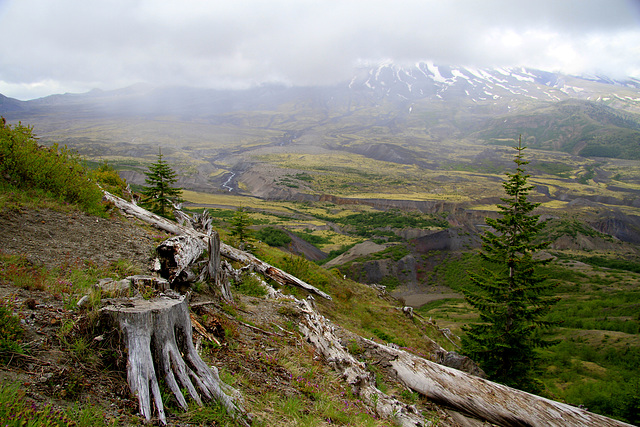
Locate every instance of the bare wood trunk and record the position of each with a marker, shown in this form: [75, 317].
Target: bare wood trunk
[481, 398]
[144, 215]
[320, 333]
[227, 251]
[279, 276]
[214, 270]
[177, 254]
[159, 341]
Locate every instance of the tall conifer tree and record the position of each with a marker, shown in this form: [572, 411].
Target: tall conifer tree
[159, 195]
[509, 293]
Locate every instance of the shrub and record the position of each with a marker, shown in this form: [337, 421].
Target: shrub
[273, 236]
[10, 333]
[250, 285]
[56, 171]
[108, 177]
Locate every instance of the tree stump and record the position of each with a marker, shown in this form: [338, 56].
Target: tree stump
[159, 340]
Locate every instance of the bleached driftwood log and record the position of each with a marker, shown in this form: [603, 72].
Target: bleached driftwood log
[144, 215]
[177, 255]
[279, 276]
[461, 391]
[478, 397]
[227, 251]
[320, 333]
[159, 341]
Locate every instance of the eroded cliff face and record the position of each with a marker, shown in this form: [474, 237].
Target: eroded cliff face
[406, 270]
[616, 224]
[379, 271]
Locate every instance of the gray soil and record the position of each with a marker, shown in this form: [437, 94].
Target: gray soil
[51, 239]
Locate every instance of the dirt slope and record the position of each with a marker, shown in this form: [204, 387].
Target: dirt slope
[50, 238]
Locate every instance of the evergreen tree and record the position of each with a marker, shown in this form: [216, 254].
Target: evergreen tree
[240, 228]
[159, 195]
[509, 293]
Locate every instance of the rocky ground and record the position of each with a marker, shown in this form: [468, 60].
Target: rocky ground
[70, 359]
[50, 238]
[60, 366]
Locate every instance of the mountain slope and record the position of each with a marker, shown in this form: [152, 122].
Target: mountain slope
[573, 126]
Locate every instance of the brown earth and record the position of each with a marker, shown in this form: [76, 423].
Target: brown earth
[50, 238]
[51, 374]
[70, 360]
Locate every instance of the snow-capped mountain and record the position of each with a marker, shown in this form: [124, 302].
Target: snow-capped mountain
[587, 115]
[426, 80]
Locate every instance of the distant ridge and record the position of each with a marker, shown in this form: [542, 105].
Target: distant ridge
[383, 112]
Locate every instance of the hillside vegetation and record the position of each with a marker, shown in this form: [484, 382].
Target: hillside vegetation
[418, 185]
[59, 366]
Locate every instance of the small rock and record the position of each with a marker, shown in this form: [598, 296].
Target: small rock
[83, 301]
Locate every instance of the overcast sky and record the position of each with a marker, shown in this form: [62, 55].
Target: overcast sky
[57, 46]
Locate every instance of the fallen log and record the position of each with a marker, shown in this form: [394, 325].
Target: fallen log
[158, 337]
[279, 276]
[478, 397]
[144, 215]
[320, 333]
[177, 254]
[227, 251]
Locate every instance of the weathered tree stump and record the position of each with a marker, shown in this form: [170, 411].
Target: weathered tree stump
[159, 340]
[226, 251]
[177, 255]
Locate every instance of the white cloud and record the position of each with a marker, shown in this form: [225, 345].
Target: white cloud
[74, 45]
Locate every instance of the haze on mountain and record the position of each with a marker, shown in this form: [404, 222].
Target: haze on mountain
[75, 46]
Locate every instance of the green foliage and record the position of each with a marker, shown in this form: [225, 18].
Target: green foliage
[10, 333]
[395, 252]
[384, 336]
[508, 292]
[159, 196]
[615, 263]
[314, 239]
[602, 377]
[240, 228]
[50, 171]
[108, 177]
[391, 282]
[571, 227]
[211, 414]
[17, 411]
[250, 285]
[599, 310]
[370, 224]
[273, 236]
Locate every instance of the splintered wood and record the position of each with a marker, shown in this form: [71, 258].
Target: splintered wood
[159, 341]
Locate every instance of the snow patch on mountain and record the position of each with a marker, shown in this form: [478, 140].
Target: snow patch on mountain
[427, 80]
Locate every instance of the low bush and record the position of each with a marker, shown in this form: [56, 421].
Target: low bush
[54, 171]
[10, 333]
[273, 236]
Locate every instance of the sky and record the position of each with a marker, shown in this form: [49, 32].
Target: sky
[58, 46]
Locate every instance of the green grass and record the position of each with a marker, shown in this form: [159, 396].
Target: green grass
[55, 172]
[17, 410]
[595, 362]
[68, 281]
[10, 332]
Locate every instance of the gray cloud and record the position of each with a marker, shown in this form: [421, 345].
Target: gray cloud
[75, 45]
